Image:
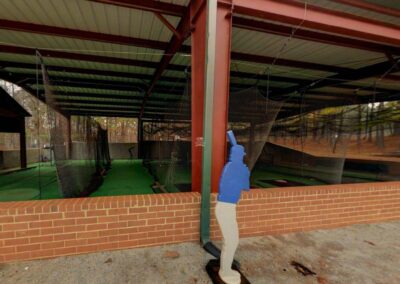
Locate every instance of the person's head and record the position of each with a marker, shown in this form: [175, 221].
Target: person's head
[236, 152]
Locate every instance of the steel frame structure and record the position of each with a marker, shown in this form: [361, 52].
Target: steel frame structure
[277, 17]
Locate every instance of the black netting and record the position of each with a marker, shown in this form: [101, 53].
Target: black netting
[79, 162]
[287, 150]
[167, 147]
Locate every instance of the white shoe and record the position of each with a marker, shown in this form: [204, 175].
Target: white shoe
[230, 277]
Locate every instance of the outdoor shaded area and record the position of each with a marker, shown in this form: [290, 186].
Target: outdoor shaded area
[358, 254]
[40, 182]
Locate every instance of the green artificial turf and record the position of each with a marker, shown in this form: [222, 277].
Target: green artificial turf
[125, 178]
[25, 184]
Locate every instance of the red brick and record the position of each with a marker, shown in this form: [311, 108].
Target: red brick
[6, 219]
[75, 243]
[87, 235]
[7, 235]
[119, 211]
[128, 230]
[108, 219]
[27, 233]
[107, 246]
[158, 221]
[63, 237]
[136, 236]
[86, 248]
[41, 239]
[42, 254]
[157, 208]
[136, 223]
[96, 227]
[174, 220]
[16, 242]
[51, 216]
[146, 216]
[111, 232]
[128, 217]
[118, 238]
[26, 218]
[7, 250]
[15, 226]
[76, 214]
[117, 225]
[51, 231]
[97, 240]
[93, 213]
[64, 222]
[128, 244]
[52, 245]
[77, 228]
[17, 256]
[30, 247]
[65, 251]
[156, 234]
[137, 210]
[40, 224]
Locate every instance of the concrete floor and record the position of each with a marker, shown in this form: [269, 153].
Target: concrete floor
[358, 254]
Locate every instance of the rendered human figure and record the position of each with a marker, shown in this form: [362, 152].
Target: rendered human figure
[235, 178]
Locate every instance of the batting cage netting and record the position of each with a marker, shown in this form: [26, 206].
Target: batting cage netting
[82, 159]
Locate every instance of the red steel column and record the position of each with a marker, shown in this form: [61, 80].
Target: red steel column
[221, 91]
[198, 20]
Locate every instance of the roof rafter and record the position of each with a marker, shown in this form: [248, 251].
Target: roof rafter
[371, 7]
[80, 34]
[304, 34]
[85, 57]
[148, 5]
[318, 18]
[174, 46]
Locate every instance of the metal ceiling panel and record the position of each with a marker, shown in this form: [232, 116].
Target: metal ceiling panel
[359, 12]
[275, 46]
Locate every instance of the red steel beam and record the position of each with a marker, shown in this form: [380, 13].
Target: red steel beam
[167, 24]
[371, 7]
[85, 57]
[294, 13]
[197, 95]
[80, 34]
[148, 5]
[304, 34]
[173, 47]
[286, 62]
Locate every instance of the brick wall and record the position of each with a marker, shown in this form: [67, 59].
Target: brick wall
[42, 229]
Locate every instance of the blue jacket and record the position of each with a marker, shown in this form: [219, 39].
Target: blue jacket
[235, 176]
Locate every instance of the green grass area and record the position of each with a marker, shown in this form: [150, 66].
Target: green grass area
[126, 178]
[25, 184]
[130, 177]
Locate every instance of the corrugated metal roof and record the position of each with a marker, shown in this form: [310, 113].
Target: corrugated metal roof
[115, 20]
[89, 16]
[258, 43]
[56, 43]
[357, 11]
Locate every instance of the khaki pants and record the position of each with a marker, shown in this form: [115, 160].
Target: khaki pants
[226, 217]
